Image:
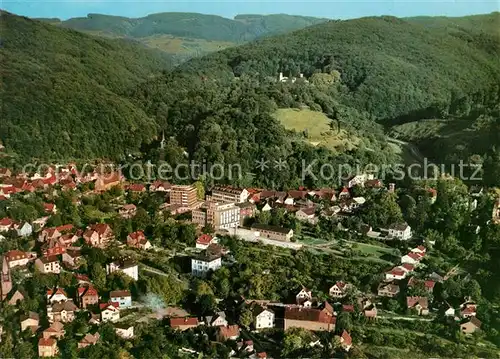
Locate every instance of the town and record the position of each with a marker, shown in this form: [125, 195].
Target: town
[99, 250]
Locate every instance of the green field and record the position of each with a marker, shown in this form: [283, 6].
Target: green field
[183, 46]
[315, 128]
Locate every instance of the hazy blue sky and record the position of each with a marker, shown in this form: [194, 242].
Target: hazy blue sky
[328, 8]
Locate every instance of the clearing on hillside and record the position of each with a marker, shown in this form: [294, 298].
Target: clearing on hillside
[314, 127]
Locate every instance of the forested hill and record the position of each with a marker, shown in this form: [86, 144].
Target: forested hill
[389, 67]
[62, 91]
[192, 25]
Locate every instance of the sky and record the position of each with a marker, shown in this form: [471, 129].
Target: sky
[334, 9]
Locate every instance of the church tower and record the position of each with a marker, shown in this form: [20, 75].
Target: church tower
[6, 285]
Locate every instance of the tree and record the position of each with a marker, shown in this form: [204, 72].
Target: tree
[344, 322]
[246, 318]
[98, 275]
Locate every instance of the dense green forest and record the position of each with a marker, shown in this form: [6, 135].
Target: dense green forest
[62, 91]
[200, 26]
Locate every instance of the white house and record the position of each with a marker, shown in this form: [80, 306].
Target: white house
[401, 231]
[124, 331]
[56, 296]
[204, 241]
[339, 290]
[303, 296]
[25, 230]
[411, 258]
[263, 317]
[17, 258]
[306, 215]
[48, 264]
[267, 207]
[127, 267]
[450, 312]
[122, 297]
[109, 312]
[217, 320]
[395, 274]
[205, 262]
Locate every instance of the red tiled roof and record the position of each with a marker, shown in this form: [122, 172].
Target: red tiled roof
[177, 322]
[409, 267]
[136, 187]
[46, 342]
[15, 254]
[396, 271]
[229, 331]
[65, 228]
[204, 239]
[412, 301]
[119, 293]
[308, 314]
[429, 284]
[104, 306]
[6, 222]
[347, 340]
[262, 355]
[49, 207]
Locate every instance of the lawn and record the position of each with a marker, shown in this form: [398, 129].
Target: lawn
[315, 127]
[181, 46]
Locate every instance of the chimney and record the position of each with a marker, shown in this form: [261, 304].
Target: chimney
[392, 187]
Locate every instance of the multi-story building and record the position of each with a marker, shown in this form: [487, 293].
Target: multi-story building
[229, 195]
[87, 296]
[185, 196]
[206, 261]
[219, 216]
[48, 264]
[122, 297]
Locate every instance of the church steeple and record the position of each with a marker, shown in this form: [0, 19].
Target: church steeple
[162, 143]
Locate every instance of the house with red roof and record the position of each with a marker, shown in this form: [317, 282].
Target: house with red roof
[136, 187]
[50, 208]
[339, 289]
[106, 181]
[110, 312]
[6, 224]
[48, 234]
[309, 318]
[345, 340]
[98, 235]
[183, 323]
[17, 258]
[138, 240]
[204, 241]
[127, 211]
[47, 348]
[230, 332]
[411, 258]
[396, 273]
[55, 330]
[160, 186]
[419, 304]
[389, 290]
[89, 339]
[344, 194]
[87, 295]
[56, 295]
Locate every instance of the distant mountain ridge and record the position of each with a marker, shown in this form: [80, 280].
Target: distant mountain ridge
[192, 25]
